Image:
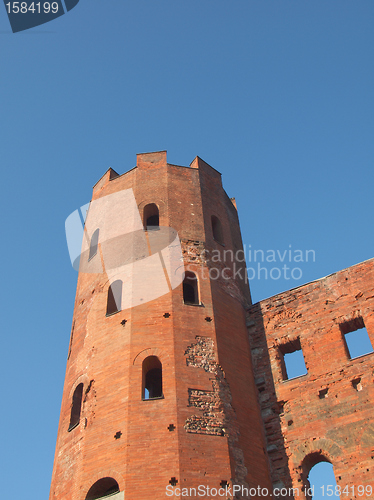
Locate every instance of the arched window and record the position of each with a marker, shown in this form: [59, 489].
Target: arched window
[318, 474]
[102, 488]
[76, 405]
[114, 297]
[93, 244]
[151, 219]
[217, 229]
[152, 378]
[190, 289]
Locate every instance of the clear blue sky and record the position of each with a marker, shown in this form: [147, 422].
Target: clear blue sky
[275, 94]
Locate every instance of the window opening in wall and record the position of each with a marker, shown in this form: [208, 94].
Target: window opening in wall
[93, 244]
[217, 229]
[103, 488]
[76, 405]
[356, 338]
[293, 360]
[152, 378]
[322, 482]
[151, 218]
[114, 298]
[190, 289]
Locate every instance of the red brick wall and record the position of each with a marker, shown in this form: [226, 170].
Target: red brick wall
[301, 427]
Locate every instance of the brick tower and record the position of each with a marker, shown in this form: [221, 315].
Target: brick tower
[159, 393]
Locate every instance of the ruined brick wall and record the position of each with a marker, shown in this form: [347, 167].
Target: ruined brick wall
[326, 414]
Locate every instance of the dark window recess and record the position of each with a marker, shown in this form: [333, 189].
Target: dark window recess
[190, 289]
[114, 297]
[173, 481]
[356, 338]
[102, 488]
[151, 216]
[152, 378]
[93, 244]
[356, 383]
[217, 229]
[293, 364]
[167, 315]
[171, 427]
[223, 483]
[208, 319]
[117, 435]
[323, 393]
[76, 405]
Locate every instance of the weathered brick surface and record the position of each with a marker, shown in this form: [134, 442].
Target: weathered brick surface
[218, 417]
[225, 394]
[119, 434]
[302, 427]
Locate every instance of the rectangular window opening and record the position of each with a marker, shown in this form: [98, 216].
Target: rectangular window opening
[293, 360]
[356, 338]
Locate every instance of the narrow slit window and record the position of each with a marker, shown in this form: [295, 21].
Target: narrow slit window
[76, 405]
[190, 289]
[114, 298]
[151, 217]
[152, 378]
[356, 338]
[293, 360]
[94, 244]
[103, 488]
[217, 229]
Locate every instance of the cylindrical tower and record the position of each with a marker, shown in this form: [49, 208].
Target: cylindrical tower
[159, 392]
